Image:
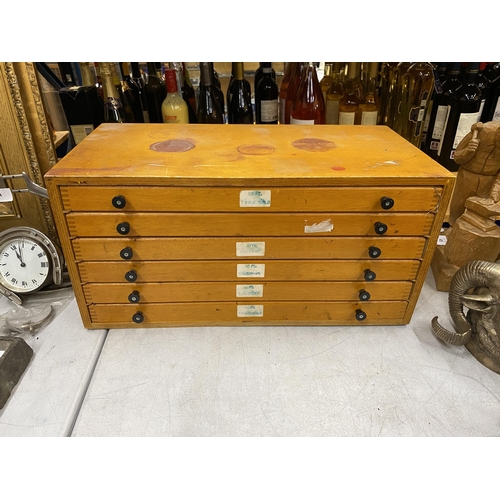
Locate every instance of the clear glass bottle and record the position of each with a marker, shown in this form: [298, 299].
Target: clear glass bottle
[349, 103]
[369, 104]
[173, 109]
[401, 101]
[327, 79]
[387, 93]
[113, 107]
[285, 83]
[333, 95]
[308, 105]
[292, 89]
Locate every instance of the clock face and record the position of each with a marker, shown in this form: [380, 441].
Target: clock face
[24, 264]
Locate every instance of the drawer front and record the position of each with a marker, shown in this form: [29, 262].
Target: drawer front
[213, 224]
[218, 313]
[228, 248]
[279, 270]
[220, 199]
[145, 293]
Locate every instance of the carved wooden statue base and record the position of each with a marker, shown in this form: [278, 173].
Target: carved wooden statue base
[474, 236]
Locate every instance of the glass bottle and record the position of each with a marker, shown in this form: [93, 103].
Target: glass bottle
[113, 108]
[259, 74]
[491, 110]
[292, 89]
[88, 79]
[327, 79]
[209, 110]
[240, 107]
[218, 91]
[188, 94]
[155, 94]
[285, 83]
[401, 101]
[308, 105]
[173, 109]
[387, 93]
[369, 103]
[266, 97]
[98, 82]
[463, 113]
[131, 104]
[333, 96]
[420, 85]
[349, 102]
[439, 110]
[136, 85]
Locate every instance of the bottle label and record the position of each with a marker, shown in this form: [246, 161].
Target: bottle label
[496, 113]
[464, 124]
[369, 117]
[444, 128]
[296, 121]
[332, 112]
[269, 111]
[437, 131]
[346, 118]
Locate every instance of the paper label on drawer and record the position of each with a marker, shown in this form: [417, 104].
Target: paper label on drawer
[246, 311]
[5, 195]
[249, 290]
[248, 248]
[255, 198]
[325, 226]
[2, 353]
[442, 240]
[250, 270]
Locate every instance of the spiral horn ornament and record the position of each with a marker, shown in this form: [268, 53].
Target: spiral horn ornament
[474, 274]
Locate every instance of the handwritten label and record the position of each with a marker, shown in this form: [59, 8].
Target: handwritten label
[249, 290]
[255, 198]
[250, 270]
[442, 240]
[5, 194]
[247, 311]
[248, 248]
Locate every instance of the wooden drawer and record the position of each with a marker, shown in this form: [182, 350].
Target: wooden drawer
[137, 249]
[220, 199]
[232, 313]
[215, 224]
[278, 270]
[144, 293]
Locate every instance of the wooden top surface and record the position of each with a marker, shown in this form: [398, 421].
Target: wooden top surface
[230, 154]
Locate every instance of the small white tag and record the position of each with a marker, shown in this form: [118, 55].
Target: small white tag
[5, 195]
[248, 248]
[255, 198]
[320, 227]
[2, 353]
[249, 290]
[248, 311]
[250, 270]
[442, 240]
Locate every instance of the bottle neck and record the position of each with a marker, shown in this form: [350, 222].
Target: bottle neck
[87, 78]
[136, 72]
[171, 81]
[328, 69]
[206, 74]
[152, 70]
[239, 72]
[110, 91]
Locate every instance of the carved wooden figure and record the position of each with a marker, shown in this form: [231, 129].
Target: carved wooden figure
[474, 206]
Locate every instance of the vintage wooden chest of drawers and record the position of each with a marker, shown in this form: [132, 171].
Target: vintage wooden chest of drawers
[188, 225]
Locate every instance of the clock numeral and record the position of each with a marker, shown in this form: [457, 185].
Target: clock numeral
[13, 247]
[34, 281]
[14, 281]
[40, 255]
[3, 264]
[33, 247]
[44, 264]
[24, 284]
[5, 254]
[7, 274]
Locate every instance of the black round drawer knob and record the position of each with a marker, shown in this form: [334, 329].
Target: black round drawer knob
[374, 252]
[364, 295]
[126, 253]
[119, 201]
[131, 276]
[123, 228]
[134, 297]
[386, 203]
[369, 275]
[360, 315]
[380, 228]
[138, 317]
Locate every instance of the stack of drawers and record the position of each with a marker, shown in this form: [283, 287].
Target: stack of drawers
[228, 224]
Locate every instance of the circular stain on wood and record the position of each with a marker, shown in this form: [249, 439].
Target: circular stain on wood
[172, 146]
[256, 149]
[312, 144]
